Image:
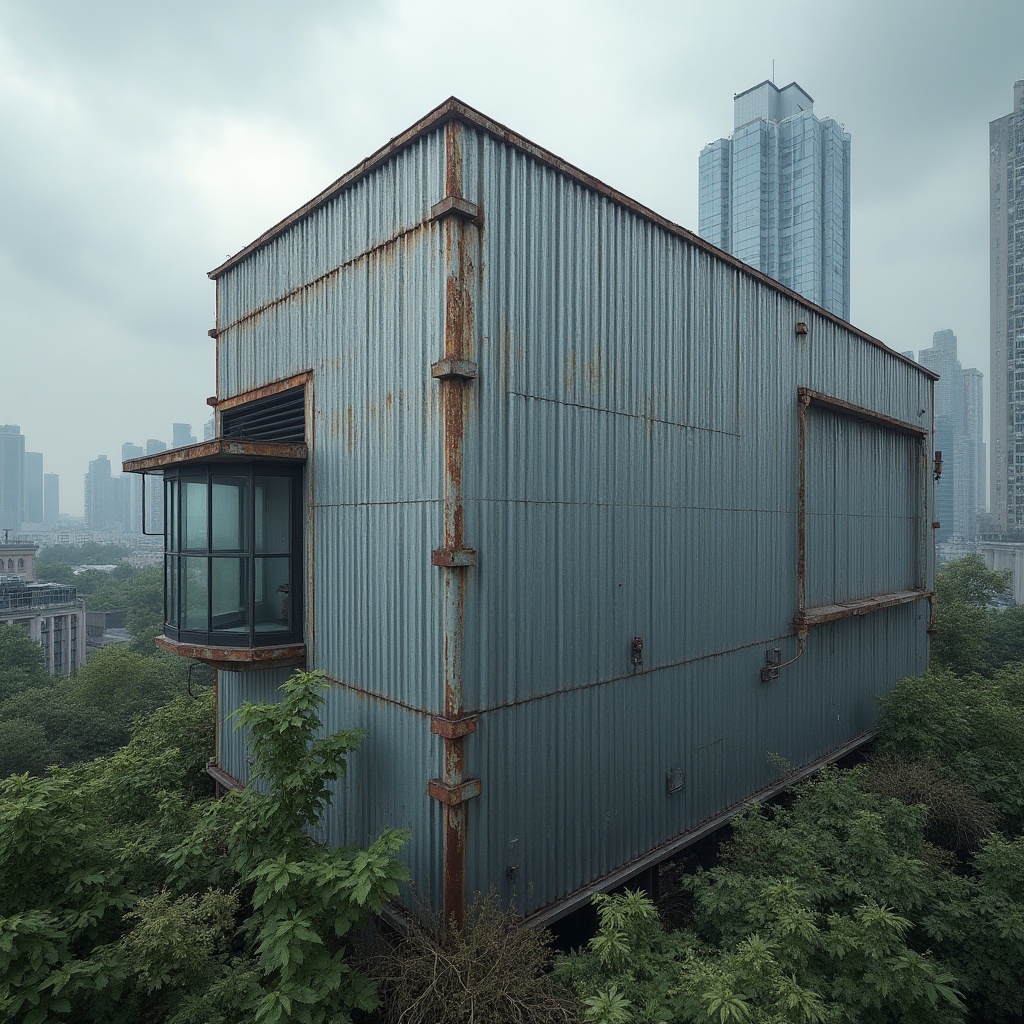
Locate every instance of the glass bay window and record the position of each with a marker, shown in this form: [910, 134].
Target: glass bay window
[233, 554]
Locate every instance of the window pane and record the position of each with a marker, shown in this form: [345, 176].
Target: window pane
[273, 514]
[194, 517]
[229, 506]
[194, 594]
[230, 595]
[171, 592]
[171, 509]
[273, 611]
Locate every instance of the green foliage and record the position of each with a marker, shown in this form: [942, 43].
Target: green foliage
[810, 916]
[90, 553]
[304, 899]
[487, 968]
[107, 913]
[971, 635]
[21, 662]
[61, 900]
[969, 730]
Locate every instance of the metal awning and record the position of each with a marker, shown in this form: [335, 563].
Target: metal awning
[220, 449]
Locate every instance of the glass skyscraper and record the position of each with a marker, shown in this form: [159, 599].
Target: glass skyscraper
[1006, 312]
[776, 193]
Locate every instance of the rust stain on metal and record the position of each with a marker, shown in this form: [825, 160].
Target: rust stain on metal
[219, 449]
[862, 606]
[309, 288]
[453, 159]
[859, 412]
[803, 401]
[350, 428]
[232, 657]
[453, 728]
[274, 387]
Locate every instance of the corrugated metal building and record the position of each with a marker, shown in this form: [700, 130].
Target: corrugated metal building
[594, 524]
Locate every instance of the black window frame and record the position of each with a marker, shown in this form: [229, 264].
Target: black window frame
[175, 553]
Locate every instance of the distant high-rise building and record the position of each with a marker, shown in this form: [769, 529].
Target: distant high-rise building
[51, 498]
[776, 193]
[33, 488]
[1006, 313]
[209, 430]
[182, 435]
[958, 435]
[104, 505]
[154, 492]
[132, 489]
[12, 478]
[974, 455]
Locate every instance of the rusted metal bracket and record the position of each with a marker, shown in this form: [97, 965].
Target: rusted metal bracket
[454, 369]
[454, 558]
[456, 794]
[212, 333]
[454, 206]
[453, 728]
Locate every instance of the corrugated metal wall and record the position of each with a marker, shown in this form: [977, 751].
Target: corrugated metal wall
[631, 469]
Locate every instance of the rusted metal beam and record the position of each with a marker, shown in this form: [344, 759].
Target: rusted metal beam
[275, 387]
[232, 658]
[453, 728]
[454, 206]
[862, 606]
[454, 794]
[219, 450]
[859, 412]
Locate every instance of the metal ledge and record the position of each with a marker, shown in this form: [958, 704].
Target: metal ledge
[863, 606]
[234, 658]
[221, 449]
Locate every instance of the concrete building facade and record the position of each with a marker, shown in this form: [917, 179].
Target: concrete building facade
[52, 614]
[1006, 306]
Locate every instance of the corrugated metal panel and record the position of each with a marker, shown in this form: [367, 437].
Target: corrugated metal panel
[575, 786]
[386, 782]
[865, 509]
[392, 199]
[631, 468]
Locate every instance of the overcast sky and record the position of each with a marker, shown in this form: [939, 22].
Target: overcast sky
[142, 142]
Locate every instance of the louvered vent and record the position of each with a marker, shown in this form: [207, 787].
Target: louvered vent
[280, 417]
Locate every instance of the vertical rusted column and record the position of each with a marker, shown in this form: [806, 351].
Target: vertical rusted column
[801, 512]
[455, 372]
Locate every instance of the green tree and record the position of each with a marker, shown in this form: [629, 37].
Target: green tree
[305, 899]
[966, 626]
[21, 662]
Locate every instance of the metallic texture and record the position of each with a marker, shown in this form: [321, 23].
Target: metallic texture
[627, 459]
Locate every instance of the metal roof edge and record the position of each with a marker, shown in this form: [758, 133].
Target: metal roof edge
[455, 109]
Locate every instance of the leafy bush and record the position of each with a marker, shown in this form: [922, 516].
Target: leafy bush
[970, 730]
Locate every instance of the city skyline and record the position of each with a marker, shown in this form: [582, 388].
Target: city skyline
[131, 180]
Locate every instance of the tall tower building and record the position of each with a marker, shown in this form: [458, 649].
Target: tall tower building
[51, 498]
[154, 491]
[34, 488]
[12, 477]
[1006, 313]
[958, 435]
[132, 489]
[181, 435]
[776, 193]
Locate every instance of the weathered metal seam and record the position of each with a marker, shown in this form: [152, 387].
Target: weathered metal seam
[306, 286]
[454, 109]
[626, 415]
[567, 904]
